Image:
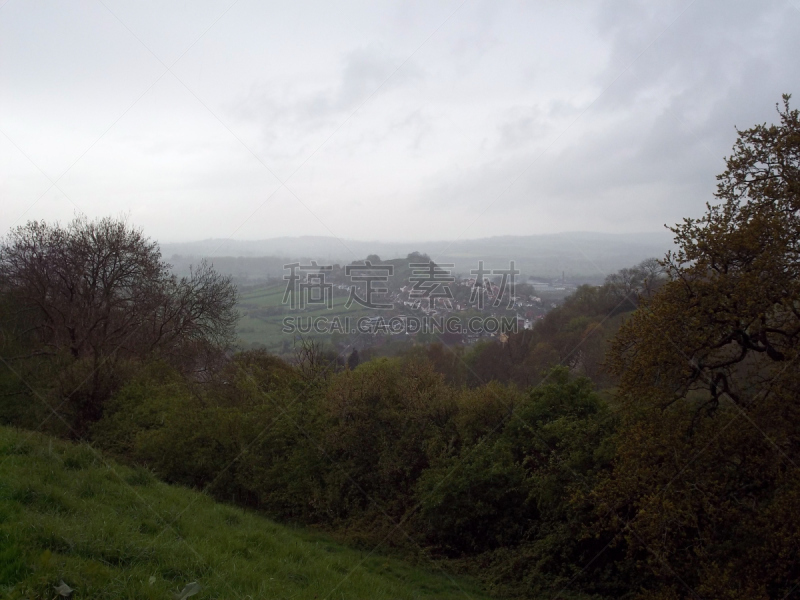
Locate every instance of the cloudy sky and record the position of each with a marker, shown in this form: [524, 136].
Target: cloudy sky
[455, 119]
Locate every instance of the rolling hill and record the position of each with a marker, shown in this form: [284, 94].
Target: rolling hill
[584, 255]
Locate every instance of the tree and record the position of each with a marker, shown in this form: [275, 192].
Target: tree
[705, 489]
[630, 283]
[730, 314]
[353, 359]
[97, 293]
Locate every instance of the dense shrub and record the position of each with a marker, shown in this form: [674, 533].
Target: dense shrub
[513, 497]
[387, 452]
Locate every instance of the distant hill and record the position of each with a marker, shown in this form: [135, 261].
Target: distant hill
[579, 255]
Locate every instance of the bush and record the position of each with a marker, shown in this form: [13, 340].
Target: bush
[514, 495]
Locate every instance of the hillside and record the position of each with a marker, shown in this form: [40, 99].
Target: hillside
[108, 531]
[586, 256]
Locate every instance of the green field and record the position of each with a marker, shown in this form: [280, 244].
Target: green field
[262, 314]
[109, 531]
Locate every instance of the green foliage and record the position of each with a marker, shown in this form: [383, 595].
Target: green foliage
[378, 421]
[513, 498]
[473, 503]
[576, 334]
[110, 534]
[468, 472]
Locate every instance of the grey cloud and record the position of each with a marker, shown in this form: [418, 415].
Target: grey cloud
[364, 72]
[521, 125]
[659, 132]
[294, 122]
[500, 94]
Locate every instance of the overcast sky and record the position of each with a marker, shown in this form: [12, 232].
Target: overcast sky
[381, 120]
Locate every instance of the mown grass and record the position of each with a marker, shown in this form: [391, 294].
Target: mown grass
[110, 531]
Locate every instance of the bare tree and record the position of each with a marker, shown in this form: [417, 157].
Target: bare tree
[98, 292]
[315, 363]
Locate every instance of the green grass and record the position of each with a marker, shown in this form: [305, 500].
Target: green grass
[110, 531]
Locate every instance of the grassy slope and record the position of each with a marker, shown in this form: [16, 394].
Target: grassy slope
[267, 330]
[103, 529]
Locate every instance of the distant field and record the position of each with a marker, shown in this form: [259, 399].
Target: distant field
[258, 326]
[112, 532]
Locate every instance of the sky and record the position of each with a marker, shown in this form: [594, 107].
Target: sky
[447, 120]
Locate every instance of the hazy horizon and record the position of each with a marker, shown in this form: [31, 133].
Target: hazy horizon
[588, 255]
[665, 232]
